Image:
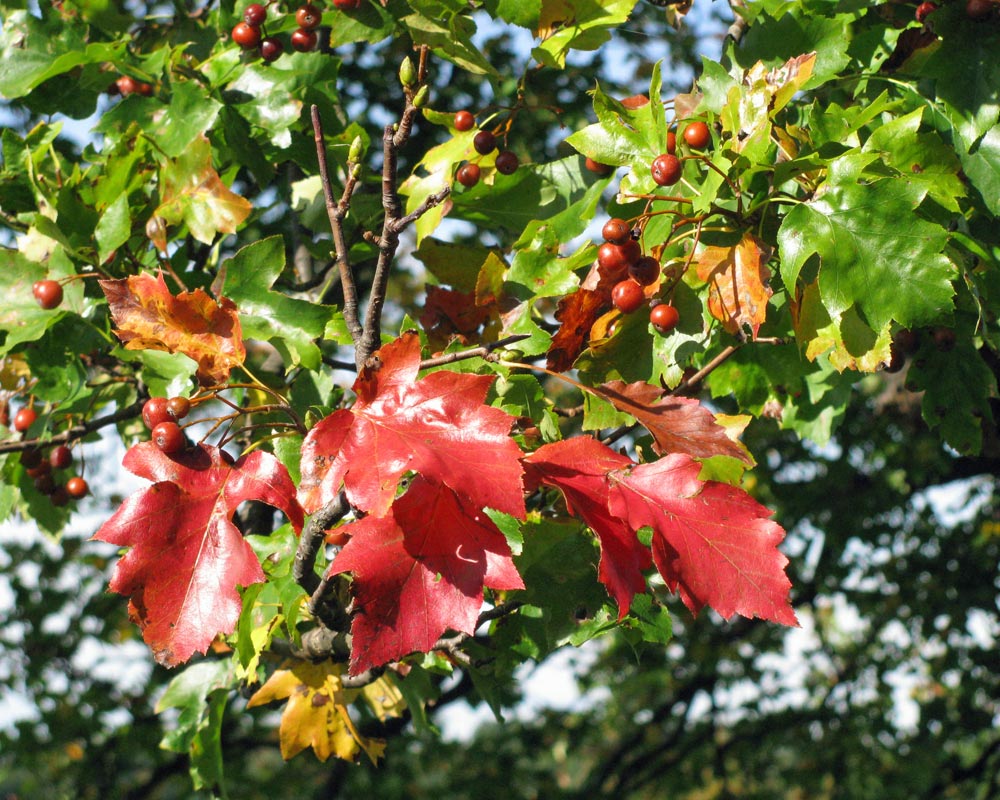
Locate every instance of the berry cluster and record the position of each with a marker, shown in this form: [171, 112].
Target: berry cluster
[160, 414]
[126, 85]
[620, 258]
[251, 35]
[42, 468]
[484, 143]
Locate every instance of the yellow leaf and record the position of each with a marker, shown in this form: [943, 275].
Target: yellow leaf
[316, 713]
[737, 278]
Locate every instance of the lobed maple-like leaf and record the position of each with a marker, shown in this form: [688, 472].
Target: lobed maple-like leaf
[678, 424]
[316, 713]
[436, 425]
[576, 313]
[712, 543]
[187, 557]
[148, 317]
[419, 571]
[737, 283]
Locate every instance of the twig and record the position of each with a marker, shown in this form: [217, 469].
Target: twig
[77, 431]
[312, 538]
[474, 352]
[335, 213]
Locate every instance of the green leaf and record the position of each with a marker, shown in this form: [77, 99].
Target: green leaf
[455, 265]
[191, 112]
[114, 228]
[922, 157]
[775, 40]
[957, 388]
[270, 315]
[982, 168]
[566, 25]
[451, 39]
[201, 693]
[261, 95]
[967, 74]
[33, 51]
[875, 252]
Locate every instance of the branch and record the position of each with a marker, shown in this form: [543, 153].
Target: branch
[475, 352]
[312, 538]
[77, 431]
[336, 212]
[740, 24]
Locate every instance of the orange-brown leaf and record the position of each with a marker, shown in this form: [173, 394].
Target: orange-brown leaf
[148, 317]
[737, 278]
[577, 312]
[678, 424]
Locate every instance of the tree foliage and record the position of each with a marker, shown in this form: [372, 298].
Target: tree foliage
[401, 428]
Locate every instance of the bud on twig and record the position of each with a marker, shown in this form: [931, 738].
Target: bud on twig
[357, 150]
[407, 74]
[420, 99]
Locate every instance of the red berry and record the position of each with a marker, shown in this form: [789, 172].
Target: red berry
[616, 231]
[61, 457]
[126, 85]
[169, 437]
[484, 142]
[618, 257]
[666, 169]
[31, 458]
[303, 40]
[464, 121]
[664, 318]
[347, 5]
[46, 484]
[506, 162]
[308, 17]
[271, 48]
[246, 36]
[76, 487]
[59, 496]
[155, 411]
[178, 407]
[24, 419]
[48, 294]
[597, 167]
[697, 135]
[627, 296]
[145, 89]
[979, 9]
[255, 14]
[468, 175]
[645, 271]
[924, 10]
[671, 142]
[42, 468]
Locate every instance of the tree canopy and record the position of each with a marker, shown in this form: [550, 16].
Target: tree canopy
[354, 358]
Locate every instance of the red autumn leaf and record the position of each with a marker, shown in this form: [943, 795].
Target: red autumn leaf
[148, 317]
[577, 314]
[576, 466]
[712, 543]
[187, 557]
[436, 425]
[737, 283]
[448, 312]
[419, 571]
[678, 424]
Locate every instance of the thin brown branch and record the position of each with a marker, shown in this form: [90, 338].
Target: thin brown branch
[335, 213]
[77, 431]
[475, 352]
